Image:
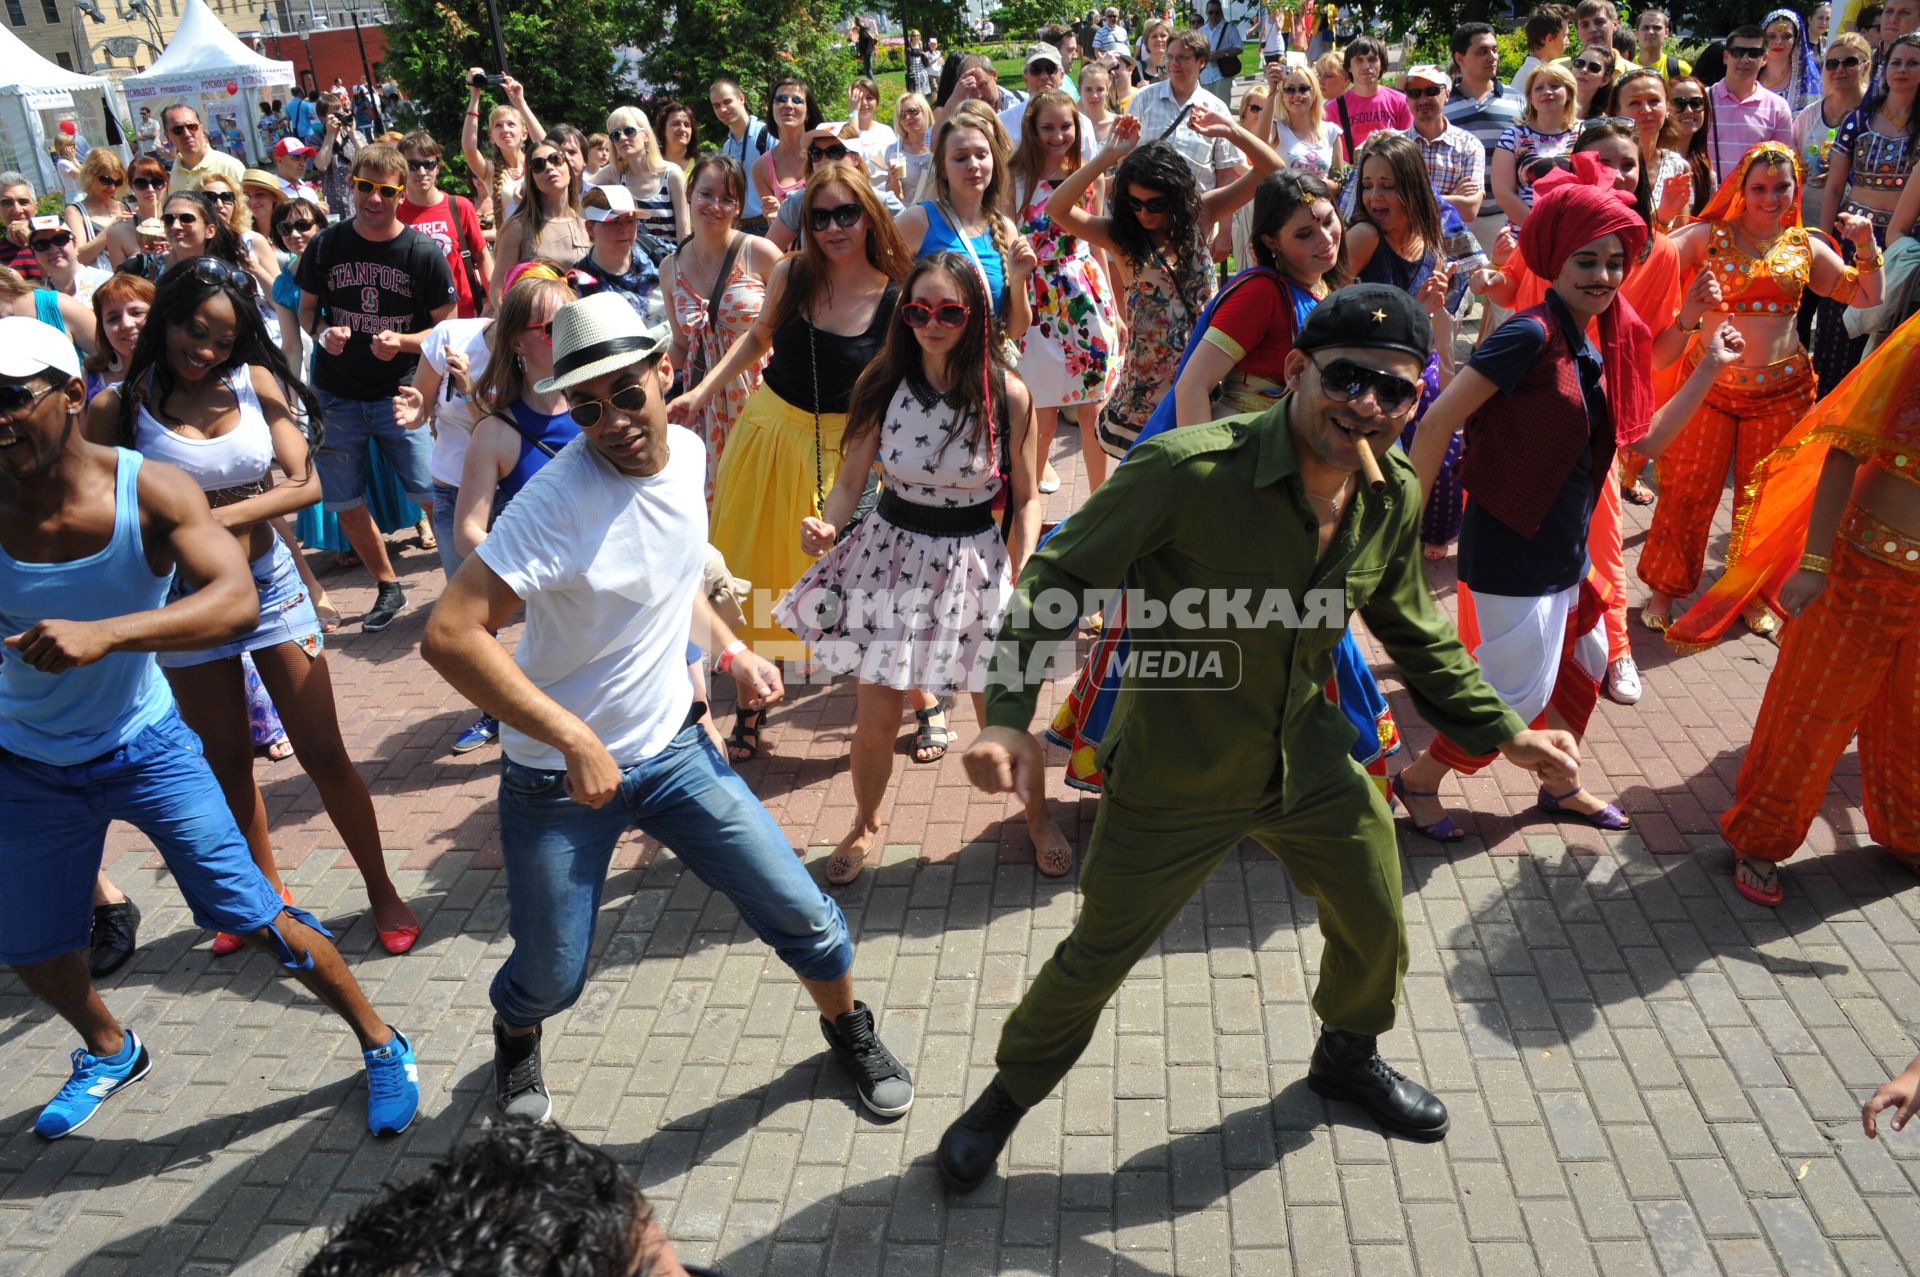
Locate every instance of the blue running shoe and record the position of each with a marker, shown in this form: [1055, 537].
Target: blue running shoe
[94, 1079]
[393, 1086]
[484, 730]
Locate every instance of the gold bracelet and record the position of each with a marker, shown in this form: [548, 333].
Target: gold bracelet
[1815, 563]
[1869, 265]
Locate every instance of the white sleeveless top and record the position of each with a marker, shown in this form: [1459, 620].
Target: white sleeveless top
[241, 456]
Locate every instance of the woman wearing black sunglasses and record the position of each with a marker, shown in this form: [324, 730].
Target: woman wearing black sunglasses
[208, 391]
[659, 187]
[547, 226]
[826, 311]
[824, 146]
[783, 169]
[1848, 63]
[909, 599]
[147, 179]
[194, 228]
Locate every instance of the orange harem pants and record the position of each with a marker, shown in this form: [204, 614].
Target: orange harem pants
[1850, 662]
[1747, 413]
[1534, 669]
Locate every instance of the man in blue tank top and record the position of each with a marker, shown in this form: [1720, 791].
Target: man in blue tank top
[89, 539]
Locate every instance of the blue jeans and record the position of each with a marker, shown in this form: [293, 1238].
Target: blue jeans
[443, 503]
[557, 851]
[342, 458]
[53, 828]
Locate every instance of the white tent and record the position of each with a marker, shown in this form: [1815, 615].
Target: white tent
[29, 84]
[210, 68]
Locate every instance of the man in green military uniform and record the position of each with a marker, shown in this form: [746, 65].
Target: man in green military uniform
[1255, 536]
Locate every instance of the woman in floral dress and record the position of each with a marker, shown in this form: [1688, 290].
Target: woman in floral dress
[1068, 357]
[690, 274]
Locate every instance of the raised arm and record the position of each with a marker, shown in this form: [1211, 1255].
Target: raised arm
[1218, 203]
[517, 99]
[1850, 285]
[477, 162]
[1445, 416]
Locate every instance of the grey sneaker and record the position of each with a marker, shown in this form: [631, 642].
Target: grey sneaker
[518, 1086]
[882, 1080]
[388, 602]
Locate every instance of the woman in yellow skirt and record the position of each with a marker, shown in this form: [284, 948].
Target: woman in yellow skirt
[826, 315]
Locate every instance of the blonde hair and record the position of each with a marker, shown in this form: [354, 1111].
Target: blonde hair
[240, 220]
[1256, 93]
[650, 158]
[102, 162]
[1316, 104]
[1328, 61]
[504, 383]
[497, 190]
[1854, 41]
[914, 99]
[1559, 74]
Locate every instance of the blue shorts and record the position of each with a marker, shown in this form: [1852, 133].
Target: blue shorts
[342, 459]
[53, 831]
[286, 613]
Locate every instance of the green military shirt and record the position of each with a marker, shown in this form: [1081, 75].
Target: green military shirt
[1210, 528]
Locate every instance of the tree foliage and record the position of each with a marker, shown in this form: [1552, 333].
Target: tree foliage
[561, 50]
[684, 45]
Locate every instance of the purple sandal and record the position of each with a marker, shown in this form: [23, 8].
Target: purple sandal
[1441, 830]
[1610, 817]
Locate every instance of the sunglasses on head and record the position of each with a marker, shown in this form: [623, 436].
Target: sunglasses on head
[626, 399]
[386, 190]
[946, 314]
[181, 130]
[824, 154]
[1344, 381]
[184, 219]
[1834, 64]
[1429, 91]
[553, 159]
[59, 239]
[1744, 51]
[422, 166]
[149, 183]
[1689, 104]
[16, 399]
[211, 270]
[845, 216]
[1158, 205]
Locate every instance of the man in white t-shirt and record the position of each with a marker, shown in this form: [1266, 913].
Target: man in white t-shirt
[1214, 161]
[605, 549]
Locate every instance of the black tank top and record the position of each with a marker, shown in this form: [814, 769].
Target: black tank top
[842, 359]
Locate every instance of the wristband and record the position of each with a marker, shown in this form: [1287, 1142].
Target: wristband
[725, 663]
[1698, 324]
[1815, 563]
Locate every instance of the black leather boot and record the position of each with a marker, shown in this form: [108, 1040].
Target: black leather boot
[972, 1144]
[1347, 1066]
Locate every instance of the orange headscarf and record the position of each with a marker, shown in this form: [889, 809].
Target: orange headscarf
[1729, 203]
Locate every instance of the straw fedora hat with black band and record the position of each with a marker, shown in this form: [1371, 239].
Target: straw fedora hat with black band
[598, 335]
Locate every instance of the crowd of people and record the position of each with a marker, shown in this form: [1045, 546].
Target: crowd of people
[789, 398]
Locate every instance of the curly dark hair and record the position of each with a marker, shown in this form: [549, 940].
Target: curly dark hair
[176, 300]
[523, 1199]
[1157, 167]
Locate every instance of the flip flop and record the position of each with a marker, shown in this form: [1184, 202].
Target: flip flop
[1610, 817]
[1441, 830]
[1637, 494]
[1770, 899]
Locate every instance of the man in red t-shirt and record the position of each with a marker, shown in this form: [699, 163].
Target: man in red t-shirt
[447, 220]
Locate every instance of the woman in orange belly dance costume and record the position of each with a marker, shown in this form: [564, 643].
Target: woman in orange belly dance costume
[1833, 542]
[1758, 262]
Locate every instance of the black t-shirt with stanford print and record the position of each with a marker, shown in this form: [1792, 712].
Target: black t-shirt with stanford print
[372, 286]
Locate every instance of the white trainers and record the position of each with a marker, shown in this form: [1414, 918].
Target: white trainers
[1623, 681]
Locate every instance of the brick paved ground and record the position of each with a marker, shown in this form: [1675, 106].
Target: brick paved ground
[1647, 1074]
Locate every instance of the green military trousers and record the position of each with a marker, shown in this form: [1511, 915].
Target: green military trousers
[1145, 864]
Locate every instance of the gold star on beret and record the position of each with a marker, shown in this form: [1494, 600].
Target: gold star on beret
[1379, 316]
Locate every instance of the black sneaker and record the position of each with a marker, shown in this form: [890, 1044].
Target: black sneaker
[1347, 1066]
[116, 931]
[518, 1086]
[882, 1079]
[972, 1144]
[388, 602]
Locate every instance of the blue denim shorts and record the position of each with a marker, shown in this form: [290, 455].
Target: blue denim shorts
[286, 613]
[53, 831]
[342, 459]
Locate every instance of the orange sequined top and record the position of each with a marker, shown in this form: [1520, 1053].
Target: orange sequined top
[1766, 285]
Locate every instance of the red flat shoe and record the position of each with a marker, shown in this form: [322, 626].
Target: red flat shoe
[225, 943]
[400, 939]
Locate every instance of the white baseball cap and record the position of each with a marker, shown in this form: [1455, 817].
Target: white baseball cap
[619, 203]
[1426, 73]
[1044, 53]
[29, 348]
